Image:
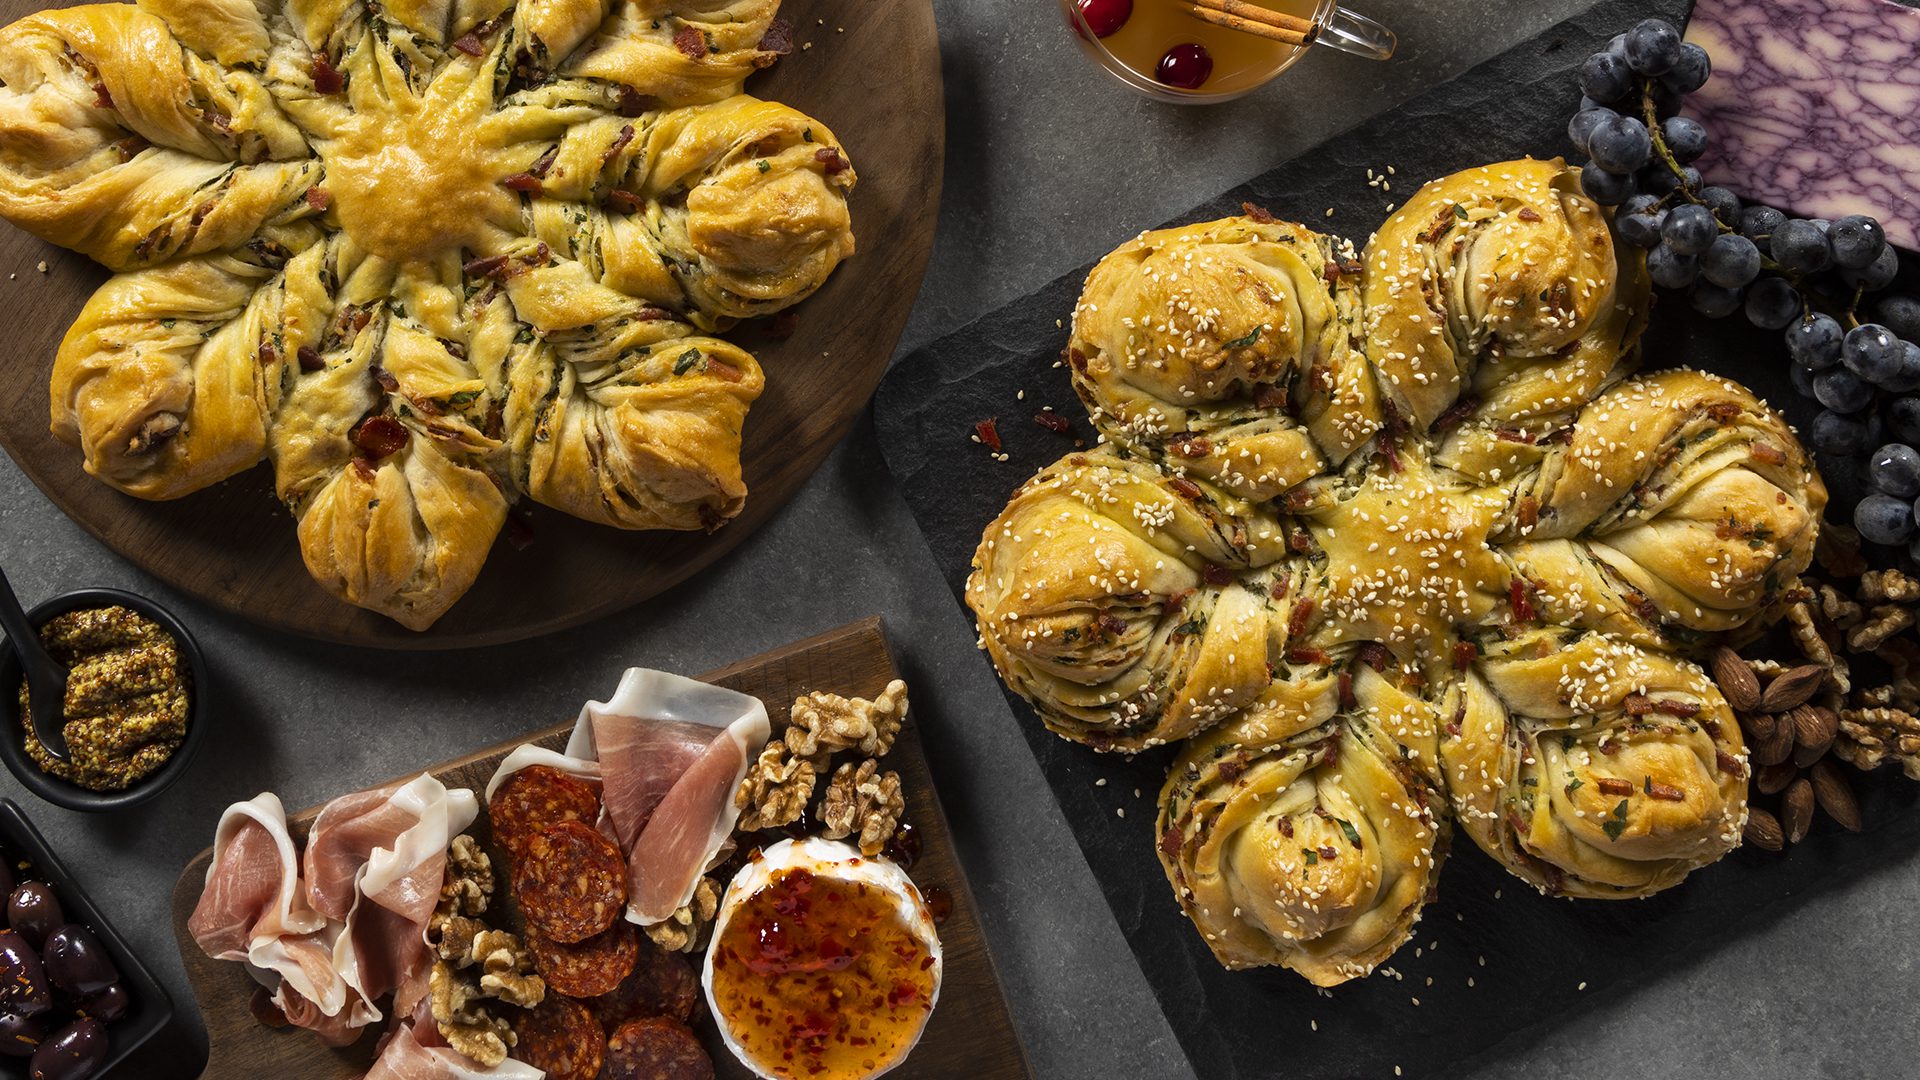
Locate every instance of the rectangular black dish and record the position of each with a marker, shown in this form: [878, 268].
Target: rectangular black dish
[1492, 960]
[151, 1010]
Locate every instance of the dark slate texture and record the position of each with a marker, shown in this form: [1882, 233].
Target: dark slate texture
[1492, 962]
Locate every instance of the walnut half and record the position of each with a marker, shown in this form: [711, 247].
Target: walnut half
[823, 723]
[862, 799]
[686, 929]
[463, 1020]
[776, 790]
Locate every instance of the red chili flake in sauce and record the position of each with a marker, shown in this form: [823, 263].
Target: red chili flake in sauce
[988, 432]
[691, 42]
[1053, 421]
[379, 437]
[319, 199]
[1215, 574]
[326, 78]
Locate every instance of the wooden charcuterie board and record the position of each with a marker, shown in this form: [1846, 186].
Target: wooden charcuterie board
[971, 1034]
[872, 75]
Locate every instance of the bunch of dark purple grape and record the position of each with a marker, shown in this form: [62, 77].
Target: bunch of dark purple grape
[1805, 277]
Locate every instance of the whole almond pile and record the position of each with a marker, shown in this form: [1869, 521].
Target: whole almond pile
[1789, 735]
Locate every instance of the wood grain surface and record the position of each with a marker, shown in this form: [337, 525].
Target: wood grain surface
[970, 1036]
[872, 75]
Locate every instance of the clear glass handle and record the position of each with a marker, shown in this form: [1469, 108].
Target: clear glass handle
[1354, 33]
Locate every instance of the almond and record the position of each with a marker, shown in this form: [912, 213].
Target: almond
[1796, 810]
[1792, 688]
[1813, 730]
[1737, 682]
[1835, 795]
[1773, 779]
[1758, 726]
[1777, 747]
[1763, 831]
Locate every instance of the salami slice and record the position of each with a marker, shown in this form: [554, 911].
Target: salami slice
[570, 883]
[656, 1049]
[589, 968]
[662, 984]
[560, 1036]
[534, 798]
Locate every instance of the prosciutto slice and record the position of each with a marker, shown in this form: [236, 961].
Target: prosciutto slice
[672, 751]
[375, 861]
[252, 908]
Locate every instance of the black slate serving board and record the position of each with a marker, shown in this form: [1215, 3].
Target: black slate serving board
[1492, 961]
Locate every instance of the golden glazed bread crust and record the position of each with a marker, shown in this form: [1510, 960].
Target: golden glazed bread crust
[425, 260]
[1479, 613]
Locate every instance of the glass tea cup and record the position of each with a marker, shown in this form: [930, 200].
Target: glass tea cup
[1183, 51]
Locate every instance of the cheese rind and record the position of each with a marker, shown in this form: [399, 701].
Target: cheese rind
[1814, 106]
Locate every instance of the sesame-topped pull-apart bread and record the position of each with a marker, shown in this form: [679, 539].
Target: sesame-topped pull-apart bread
[425, 260]
[1398, 544]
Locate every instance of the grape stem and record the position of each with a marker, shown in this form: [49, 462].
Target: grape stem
[1847, 314]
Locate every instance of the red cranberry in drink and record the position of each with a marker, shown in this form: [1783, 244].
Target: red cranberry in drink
[1185, 66]
[1105, 16]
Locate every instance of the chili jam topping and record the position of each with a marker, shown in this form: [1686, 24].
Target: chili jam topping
[822, 977]
[127, 697]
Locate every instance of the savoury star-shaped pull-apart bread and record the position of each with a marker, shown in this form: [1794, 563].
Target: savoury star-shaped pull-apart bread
[425, 259]
[1397, 544]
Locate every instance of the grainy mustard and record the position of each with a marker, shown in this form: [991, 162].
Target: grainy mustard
[127, 697]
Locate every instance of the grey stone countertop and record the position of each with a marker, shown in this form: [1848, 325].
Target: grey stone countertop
[1049, 164]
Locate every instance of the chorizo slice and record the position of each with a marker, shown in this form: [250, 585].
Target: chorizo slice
[571, 882]
[534, 798]
[656, 1049]
[590, 968]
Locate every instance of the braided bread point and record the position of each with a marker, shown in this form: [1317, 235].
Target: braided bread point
[127, 148]
[1591, 767]
[722, 212]
[1227, 349]
[1313, 850]
[1104, 594]
[1499, 289]
[642, 46]
[1676, 503]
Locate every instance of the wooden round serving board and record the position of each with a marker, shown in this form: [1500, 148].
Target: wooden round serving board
[872, 75]
[969, 1037]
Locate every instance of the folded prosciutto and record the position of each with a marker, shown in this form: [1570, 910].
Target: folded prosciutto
[671, 751]
[253, 909]
[332, 942]
[415, 1051]
[375, 861]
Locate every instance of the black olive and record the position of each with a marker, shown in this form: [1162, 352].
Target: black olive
[33, 912]
[72, 1054]
[106, 1006]
[23, 982]
[76, 962]
[19, 1035]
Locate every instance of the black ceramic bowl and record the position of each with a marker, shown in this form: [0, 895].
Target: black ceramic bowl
[150, 1009]
[72, 796]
